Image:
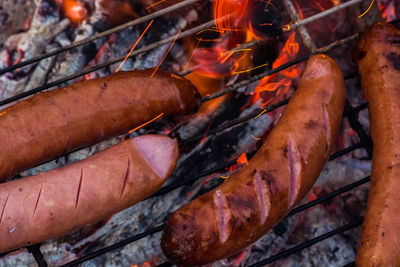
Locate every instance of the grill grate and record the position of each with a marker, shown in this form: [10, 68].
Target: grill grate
[350, 112]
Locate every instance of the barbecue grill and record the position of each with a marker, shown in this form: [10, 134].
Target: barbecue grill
[351, 113]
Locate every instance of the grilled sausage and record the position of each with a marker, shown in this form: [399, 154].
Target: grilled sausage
[53, 123]
[242, 209]
[378, 58]
[54, 203]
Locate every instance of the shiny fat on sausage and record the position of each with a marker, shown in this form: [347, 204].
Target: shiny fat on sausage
[378, 58]
[56, 122]
[253, 200]
[53, 203]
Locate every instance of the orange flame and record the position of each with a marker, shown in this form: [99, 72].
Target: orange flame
[288, 53]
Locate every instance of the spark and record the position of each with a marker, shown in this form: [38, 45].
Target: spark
[225, 177]
[286, 27]
[261, 113]
[242, 71]
[144, 124]
[147, 8]
[176, 37]
[369, 8]
[255, 138]
[133, 47]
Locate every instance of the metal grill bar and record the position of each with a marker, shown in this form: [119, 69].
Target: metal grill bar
[99, 35]
[309, 243]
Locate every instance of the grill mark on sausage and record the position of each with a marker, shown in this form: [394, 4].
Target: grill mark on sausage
[4, 207]
[223, 216]
[37, 200]
[327, 127]
[79, 189]
[126, 177]
[263, 195]
[294, 170]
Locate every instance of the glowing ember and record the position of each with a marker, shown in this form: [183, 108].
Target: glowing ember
[242, 159]
[75, 10]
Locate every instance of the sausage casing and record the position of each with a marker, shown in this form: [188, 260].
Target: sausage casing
[56, 122]
[242, 209]
[53, 203]
[378, 58]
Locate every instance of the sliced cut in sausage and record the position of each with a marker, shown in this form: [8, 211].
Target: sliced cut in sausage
[53, 203]
[378, 58]
[56, 122]
[253, 200]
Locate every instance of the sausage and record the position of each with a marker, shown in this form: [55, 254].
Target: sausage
[56, 122]
[378, 58]
[253, 200]
[53, 203]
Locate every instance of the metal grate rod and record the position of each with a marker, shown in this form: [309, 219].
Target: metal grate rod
[99, 35]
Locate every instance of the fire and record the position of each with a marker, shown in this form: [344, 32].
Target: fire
[75, 10]
[283, 78]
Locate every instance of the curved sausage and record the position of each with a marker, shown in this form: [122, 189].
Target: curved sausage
[56, 122]
[378, 57]
[53, 203]
[258, 196]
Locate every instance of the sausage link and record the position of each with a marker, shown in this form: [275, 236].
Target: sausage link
[53, 203]
[258, 196]
[378, 58]
[56, 122]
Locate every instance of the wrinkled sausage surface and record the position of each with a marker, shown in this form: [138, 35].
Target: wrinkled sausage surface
[378, 58]
[53, 203]
[242, 209]
[56, 122]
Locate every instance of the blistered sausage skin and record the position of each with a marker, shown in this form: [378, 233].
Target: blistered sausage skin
[53, 203]
[378, 58]
[258, 196]
[53, 123]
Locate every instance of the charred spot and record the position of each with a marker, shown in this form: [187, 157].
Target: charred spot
[285, 151]
[311, 124]
[383, 234]
[184, 227]
[249, 184]
[395, 40]
[360, 55]
[390, 167]
[248, 219]
[395, 58]
[384, 68]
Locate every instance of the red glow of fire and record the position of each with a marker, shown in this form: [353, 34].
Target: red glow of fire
[144, 124]
[388, 9]
[242, 159]
[75, 10]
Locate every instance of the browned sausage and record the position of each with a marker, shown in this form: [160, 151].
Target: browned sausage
[53, 123]
[54, 203]
[378, 57]
[253, 200]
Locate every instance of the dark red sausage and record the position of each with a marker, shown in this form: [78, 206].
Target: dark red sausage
[258, 196]
[54, 203]
[53, 123]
